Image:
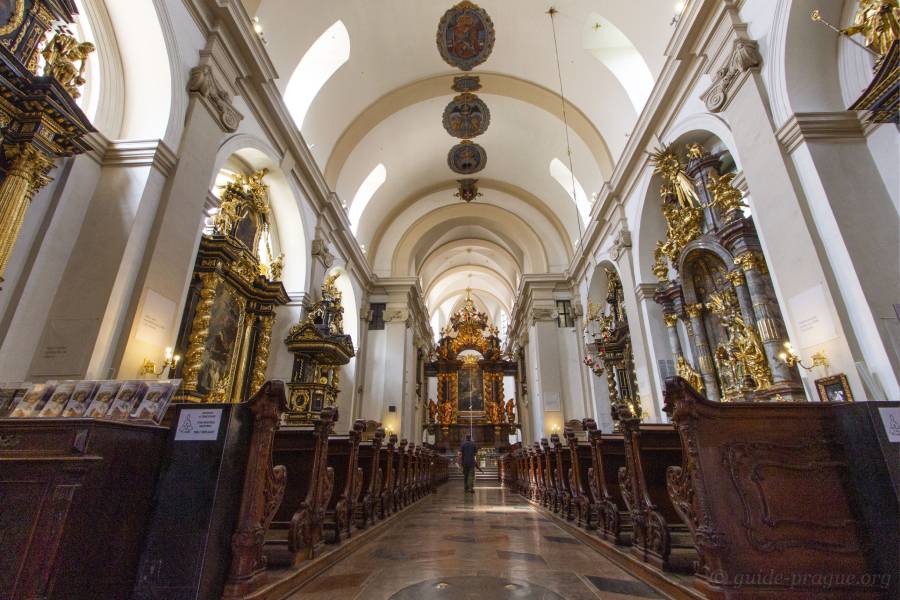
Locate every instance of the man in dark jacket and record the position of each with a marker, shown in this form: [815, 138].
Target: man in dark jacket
[467, 454]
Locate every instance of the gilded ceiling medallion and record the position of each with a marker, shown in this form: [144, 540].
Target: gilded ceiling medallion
[467, 189]
[466, 83]
[466, 116]
[465, 36]
[467, 157]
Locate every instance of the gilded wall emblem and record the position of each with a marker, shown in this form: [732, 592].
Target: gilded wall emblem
[466, 83]
[465, 36]
[466, 116]
[467, 157]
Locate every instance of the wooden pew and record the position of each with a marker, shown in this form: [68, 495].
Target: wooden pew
[387, 459]
[296, 531]
[533, 487]
[612, 515]
[579, 485]
[548, 471]
[400, 477]
[660, 536]
[539, 489]
[367, 511]
[798, 500]
[561, 479]
[343, 454]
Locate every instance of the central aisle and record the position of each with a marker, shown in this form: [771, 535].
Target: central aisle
[487, 545]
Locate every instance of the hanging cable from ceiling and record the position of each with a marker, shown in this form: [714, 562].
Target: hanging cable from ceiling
[552, 12]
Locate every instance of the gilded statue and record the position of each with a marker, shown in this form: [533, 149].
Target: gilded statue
[447, 413]
[432, 411]
[494, 413]
[878, 21]
[744, 347]
[60, 55]
[687, 372]
[726, 197]
[667, 165]
[510, 411]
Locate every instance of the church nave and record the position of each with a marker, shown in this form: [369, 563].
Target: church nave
[490, 544]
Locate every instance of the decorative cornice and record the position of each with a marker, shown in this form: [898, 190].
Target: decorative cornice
[140, 153]
[837, 127]
[645, 291]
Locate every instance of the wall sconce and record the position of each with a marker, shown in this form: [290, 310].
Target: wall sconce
[149, 367]
[790, 357]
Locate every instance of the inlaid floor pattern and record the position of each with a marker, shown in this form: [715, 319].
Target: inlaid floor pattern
[487, 545]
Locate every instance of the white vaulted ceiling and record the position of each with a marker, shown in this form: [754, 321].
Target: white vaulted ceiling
[381, 108]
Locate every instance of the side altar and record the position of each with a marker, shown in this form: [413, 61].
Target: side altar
[470, 366]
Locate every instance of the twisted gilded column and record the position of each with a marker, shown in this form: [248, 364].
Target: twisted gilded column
[261, 360]
[704, 356]
[193, 359]
[26, 174]
[753, 266]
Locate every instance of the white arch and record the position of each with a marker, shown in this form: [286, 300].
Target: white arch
[290, 231]
[564, 177]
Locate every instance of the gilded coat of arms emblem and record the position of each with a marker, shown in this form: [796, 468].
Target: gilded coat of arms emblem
[467, 157]
[466, 116]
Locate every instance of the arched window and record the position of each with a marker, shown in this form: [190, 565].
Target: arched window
[613, 48]
[320, 62]
[564, 177]
[365, 192]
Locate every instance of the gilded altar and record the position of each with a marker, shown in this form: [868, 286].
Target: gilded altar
[469, 366]
[227, 325]
[715, 289]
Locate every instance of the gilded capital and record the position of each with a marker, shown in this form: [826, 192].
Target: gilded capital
[750, 260]
[736, 278]
[671, 319]
[694, 310]
[29, 163]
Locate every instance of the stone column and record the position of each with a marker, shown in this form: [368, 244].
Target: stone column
[671, 320]
[704, 357]
[764, 317]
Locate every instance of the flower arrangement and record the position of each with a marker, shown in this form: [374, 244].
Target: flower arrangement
[595, 364]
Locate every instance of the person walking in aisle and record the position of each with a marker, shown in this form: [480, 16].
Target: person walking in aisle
[467, 452]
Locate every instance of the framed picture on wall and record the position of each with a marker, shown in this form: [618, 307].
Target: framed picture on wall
[834, 389]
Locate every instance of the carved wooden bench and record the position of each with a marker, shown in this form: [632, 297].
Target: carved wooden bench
[579, 484]
[343, 454]
[296, 530]
[369, 460]
[563, 496]
[660, 536]
[804, 492]
[387, 460]
[609, 511]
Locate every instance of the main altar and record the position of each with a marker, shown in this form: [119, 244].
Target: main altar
[469, 366]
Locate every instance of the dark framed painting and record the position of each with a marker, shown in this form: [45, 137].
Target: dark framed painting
[834, 389]
[226, 319]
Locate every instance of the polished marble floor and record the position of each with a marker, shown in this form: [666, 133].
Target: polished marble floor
[487, 545]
